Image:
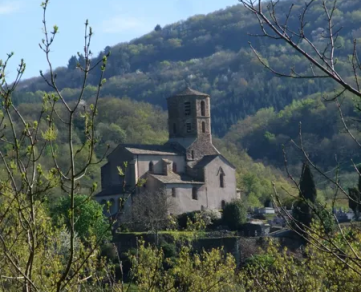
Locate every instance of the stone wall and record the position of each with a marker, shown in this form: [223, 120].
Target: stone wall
[201, 147]
[144, 160]
[215, 193]
[183, 201]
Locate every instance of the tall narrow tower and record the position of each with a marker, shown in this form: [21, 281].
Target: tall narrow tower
[189, 122]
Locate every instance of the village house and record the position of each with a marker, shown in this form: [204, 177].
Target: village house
[188, 167]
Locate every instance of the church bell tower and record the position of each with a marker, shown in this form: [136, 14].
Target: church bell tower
[189, 121]
[189, 115]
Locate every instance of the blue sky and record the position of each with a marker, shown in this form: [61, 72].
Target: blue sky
[113, 21]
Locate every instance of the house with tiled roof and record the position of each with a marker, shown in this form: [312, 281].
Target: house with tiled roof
[192, 172]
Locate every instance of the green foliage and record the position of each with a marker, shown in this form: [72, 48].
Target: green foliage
[307, 208]
[209, 271]
[221, 64]
[307, 185]
[183, 219]
[89, 217]
[319, 271]
[260, 260]
[303, 207]
[234, 214]
[325, 218]
[354, 201]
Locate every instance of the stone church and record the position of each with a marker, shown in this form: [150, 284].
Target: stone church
[188, 167]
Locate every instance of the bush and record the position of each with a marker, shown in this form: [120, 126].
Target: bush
[208, 217]
[263, 260]
[325, 218]
[169, 249]
[234, 214]
[183, 219]
[89, 217]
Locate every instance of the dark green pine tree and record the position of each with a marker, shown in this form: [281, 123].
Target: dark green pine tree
[359, 179]
[354, 200]
[307, 184]
[302, 208]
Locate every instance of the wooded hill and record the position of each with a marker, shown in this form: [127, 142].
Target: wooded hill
[211, 53]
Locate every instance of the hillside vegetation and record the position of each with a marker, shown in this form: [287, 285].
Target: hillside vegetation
[211, 53]
[253, 110]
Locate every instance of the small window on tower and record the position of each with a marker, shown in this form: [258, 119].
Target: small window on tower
[192, 154]
[203, 108]
[174, 167]
[174, 192]
[187, 108]
[203, 127]
[194, 193]
[151, 166]
[189, 127]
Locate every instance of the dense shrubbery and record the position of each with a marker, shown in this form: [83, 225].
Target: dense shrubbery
[234, 214]
[90, 220]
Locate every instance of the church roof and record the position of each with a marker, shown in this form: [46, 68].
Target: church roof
[208, 158]
[175, 178]
[143, 149]
[190, 92]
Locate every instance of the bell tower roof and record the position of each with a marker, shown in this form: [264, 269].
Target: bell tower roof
[189, 92]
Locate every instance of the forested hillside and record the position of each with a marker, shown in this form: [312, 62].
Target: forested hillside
[323, 134]
[253, 110]
[211, 53]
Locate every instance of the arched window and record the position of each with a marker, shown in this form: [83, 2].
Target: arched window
[174, 192]
[221, 180]
[151, 166]
[203, 127]
[194, 193]
[174, 167]
[174, 128]
[203, 108]
[192, 153]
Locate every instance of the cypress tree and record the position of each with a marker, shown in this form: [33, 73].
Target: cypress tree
[302, 211]
[307, 184]
[354, 200]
